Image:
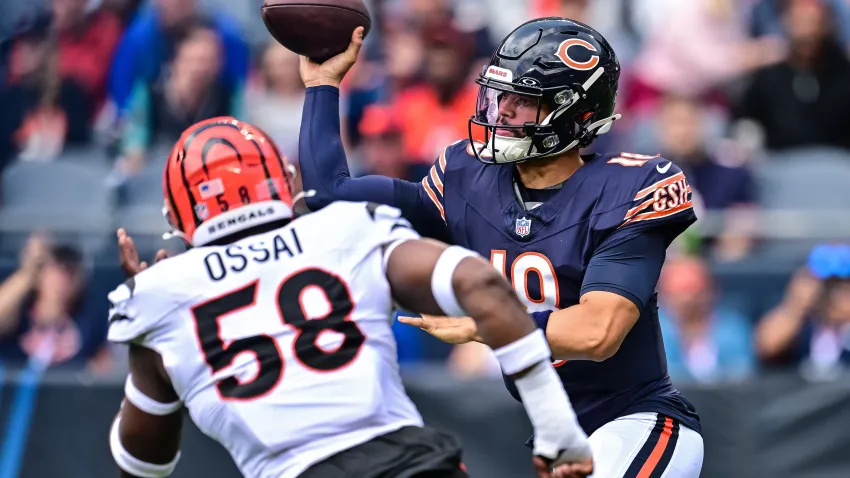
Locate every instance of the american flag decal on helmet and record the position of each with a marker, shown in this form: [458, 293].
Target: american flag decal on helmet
[211, 188]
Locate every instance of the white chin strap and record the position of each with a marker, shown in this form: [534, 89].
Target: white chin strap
[508, 149]
[511, 150]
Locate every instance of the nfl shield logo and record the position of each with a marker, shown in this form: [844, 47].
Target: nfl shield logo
[201, 211]
[523, 227]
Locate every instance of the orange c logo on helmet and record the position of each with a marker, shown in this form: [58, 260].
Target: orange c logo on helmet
[563, 54]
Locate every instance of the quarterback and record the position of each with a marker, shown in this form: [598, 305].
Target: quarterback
[582, 238]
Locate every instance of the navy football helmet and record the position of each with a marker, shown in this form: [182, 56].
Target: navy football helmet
[564, 66]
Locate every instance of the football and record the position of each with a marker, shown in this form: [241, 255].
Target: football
[317, 29]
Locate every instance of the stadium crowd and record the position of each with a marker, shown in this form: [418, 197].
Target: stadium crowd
[749, 97]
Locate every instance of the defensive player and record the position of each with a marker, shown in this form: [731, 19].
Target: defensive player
[275, 331]
[582, 238]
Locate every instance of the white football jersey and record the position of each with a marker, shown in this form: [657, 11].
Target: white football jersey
[280, 345]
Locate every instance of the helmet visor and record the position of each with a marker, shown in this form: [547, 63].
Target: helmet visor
[519, 124]
[508, 113]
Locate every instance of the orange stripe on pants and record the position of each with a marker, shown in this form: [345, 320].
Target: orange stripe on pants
[658, 451]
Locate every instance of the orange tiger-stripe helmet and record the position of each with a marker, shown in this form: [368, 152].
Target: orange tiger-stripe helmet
[224, 176]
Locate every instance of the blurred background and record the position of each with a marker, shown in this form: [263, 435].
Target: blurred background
[750, 97]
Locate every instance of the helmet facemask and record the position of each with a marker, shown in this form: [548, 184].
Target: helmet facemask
[549, 135]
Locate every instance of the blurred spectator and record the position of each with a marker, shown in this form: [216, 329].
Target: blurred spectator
[42, 112]
[380, 79]
[436, 113]
[408, 30]
[383, 146]
[723, 184]
[705, 46]
[766, 19]
[124, 9]
[460, 15]
[811, 325]
[275, 100]
[804, 101]
[623, 22]
[151, 42]
[192, 92]
[87, 41]
[43, 312]
[572, 9]
[704, 341]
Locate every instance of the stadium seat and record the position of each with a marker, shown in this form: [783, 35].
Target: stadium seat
[144, 189]
[84, 154]
[60, 196]
[805, 179]
[805, 195]
[140, 211]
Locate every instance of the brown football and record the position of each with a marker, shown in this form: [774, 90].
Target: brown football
[317, 29]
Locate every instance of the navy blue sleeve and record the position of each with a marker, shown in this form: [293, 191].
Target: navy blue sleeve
[324, 169]
[627, 264]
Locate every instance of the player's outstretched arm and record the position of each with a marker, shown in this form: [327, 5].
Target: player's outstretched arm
[429, 277]
[324, 167]
[145, 436]
[425, 275]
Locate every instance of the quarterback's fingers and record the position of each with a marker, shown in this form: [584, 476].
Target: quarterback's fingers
[357, 38]
[304, 64]
[143, 266]
[356, 42]
[414, 321]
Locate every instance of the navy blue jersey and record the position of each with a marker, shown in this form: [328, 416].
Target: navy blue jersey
[549, 253]
[606, 229]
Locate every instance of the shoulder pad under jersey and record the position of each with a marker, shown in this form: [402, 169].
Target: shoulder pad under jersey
[138, 305]
[642, 191]
[365, 221]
